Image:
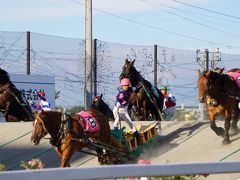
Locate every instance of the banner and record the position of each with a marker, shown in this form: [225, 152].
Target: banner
[31, 85]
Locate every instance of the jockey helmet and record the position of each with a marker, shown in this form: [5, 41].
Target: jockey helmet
[125, 82]
[163, 87]
[41, 93]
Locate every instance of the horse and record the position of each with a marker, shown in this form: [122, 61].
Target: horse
[220, 94]
[68, 134]
[99, 104]
[12, 104]
[147, 98]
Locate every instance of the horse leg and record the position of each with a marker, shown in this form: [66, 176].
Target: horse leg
[226, 131]
[66, 155]
[228, 116]
[145, 111]
[6, 110]
[67, 152]
[63, 163]
[218, 130]
[101, 158]
[234, 127]
[57, 149]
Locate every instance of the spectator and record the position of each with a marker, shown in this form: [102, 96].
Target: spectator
[44, 104]
[169, 103]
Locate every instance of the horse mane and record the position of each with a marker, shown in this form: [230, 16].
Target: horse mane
[5, 78]
[4, 75]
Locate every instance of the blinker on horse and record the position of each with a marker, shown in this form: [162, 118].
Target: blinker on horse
[12, 104]
[219, 93]
[68, 135]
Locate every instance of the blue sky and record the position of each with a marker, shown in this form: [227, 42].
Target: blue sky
[168, 23]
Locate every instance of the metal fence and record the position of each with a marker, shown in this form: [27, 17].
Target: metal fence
[124, 171]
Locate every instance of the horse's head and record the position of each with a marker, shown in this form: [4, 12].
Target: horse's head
[127, 69]
[45, 122]
[209, 83]
[39, 129]
[202, 85]
[4, 77]
[99, 104]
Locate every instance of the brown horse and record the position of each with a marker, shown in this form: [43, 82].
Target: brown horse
[147, 98]
[220, 94]
[12, 104]
[69, 136]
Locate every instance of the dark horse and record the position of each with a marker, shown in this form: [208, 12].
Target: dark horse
[103, 107]
[12, 104]
[69, 136]
[147, 98]
[220, 94]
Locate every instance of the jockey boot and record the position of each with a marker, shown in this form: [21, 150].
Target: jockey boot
[136, 134]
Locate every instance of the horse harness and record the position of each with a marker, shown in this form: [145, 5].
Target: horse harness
[151, 94]
[223, 94]
[65, 130]
[213, 101]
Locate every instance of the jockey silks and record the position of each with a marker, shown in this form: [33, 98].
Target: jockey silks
[170, 100]
[123, 97]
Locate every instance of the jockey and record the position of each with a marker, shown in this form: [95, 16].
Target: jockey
[43, 102]
[169, 103]
[121, 107]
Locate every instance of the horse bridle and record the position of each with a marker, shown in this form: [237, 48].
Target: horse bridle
[53, 139]
[44, 129]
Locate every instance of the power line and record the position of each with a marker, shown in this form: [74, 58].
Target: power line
[199, 15]
[193, 21]
[197, 7]
[161, 29]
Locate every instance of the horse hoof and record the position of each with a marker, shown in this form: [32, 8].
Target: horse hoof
[220, 131]
[225, 142]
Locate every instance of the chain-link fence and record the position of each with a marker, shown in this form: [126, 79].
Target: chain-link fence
[64, 59]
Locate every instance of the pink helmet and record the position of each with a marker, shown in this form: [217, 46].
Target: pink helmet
[125, 82]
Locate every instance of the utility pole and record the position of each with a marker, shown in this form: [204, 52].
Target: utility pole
[155, 66]
[28, 53]
[208, 59]
[95, 67]
[88, 53]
